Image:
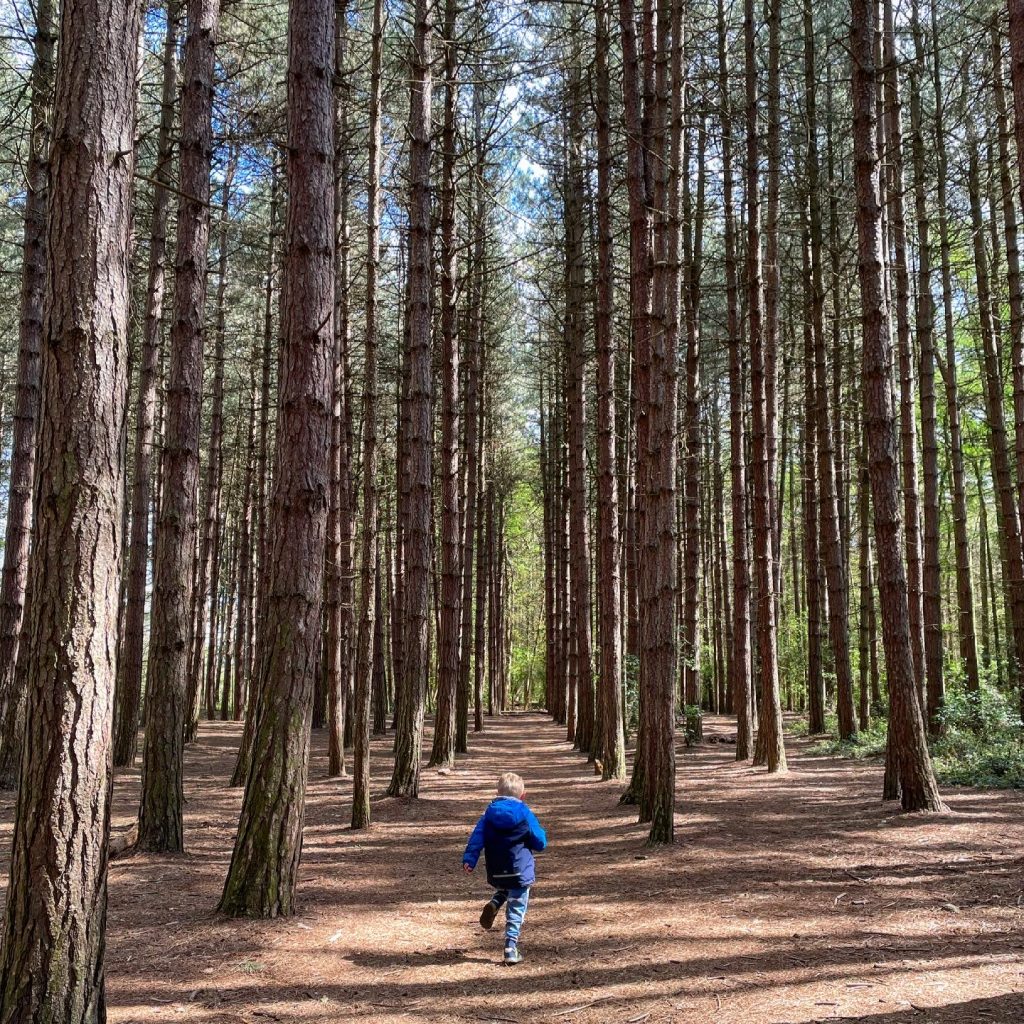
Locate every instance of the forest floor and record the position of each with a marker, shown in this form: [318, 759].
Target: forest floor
[792, 898]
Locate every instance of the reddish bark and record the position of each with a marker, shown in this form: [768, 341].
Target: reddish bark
[263, 874]
[51, 964]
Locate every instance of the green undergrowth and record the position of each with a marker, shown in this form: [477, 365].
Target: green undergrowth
[981, 743]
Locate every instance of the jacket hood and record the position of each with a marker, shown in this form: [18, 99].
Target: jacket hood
[506, 813]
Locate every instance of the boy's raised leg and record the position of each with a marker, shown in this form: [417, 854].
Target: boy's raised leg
[491, 908]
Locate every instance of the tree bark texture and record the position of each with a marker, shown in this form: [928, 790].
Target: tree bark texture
[51, 965]
[263, 875]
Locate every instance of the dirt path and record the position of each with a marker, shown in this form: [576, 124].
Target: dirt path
[789, 899]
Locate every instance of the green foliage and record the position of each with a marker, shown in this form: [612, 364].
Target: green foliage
[694, 715]
[982, 743]
[793, 653]
[524, 526]
[868, 742]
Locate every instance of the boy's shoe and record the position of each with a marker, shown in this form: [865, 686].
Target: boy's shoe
[489, 913]
[512, 954]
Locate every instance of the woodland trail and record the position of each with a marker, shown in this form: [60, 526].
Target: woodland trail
[785, 899]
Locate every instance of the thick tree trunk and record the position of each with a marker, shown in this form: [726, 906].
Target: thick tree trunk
[417, 538]
[167, 711]
[263, 875]
[656, 460]
[129, 681]
[917, 783]
[51, 965]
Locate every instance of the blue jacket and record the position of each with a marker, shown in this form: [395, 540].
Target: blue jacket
[509, 834]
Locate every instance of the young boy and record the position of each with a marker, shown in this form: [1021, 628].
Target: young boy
[509, 834]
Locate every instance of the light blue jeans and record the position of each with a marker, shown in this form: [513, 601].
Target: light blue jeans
[515, 901]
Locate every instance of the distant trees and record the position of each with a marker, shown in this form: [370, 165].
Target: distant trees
[20, 508]
[130, 662]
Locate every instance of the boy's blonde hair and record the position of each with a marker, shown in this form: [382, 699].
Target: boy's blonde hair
[512, 785]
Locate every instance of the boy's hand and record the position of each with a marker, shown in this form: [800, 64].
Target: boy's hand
[467, 868]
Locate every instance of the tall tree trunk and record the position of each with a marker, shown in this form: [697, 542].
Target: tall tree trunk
[160, 806]
[482, 567]
[51, 964]
[369, 653]
[1013, 274]
[772, 283]
[1006, 499]
[449, 632]
[740, 681]
[581, 609]
[243, 628]
[633, 87]
[895, 206]
[417, 539]
[263, 875]
[961, 544]
[914, 770]
[656, 463]
[925, 324]
[471, 435]
[129, 681]
[812, 562]
[693, 258]
[1016, 9]
[612, 749]
[338, 611]
[834, 550]
[770, 748]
